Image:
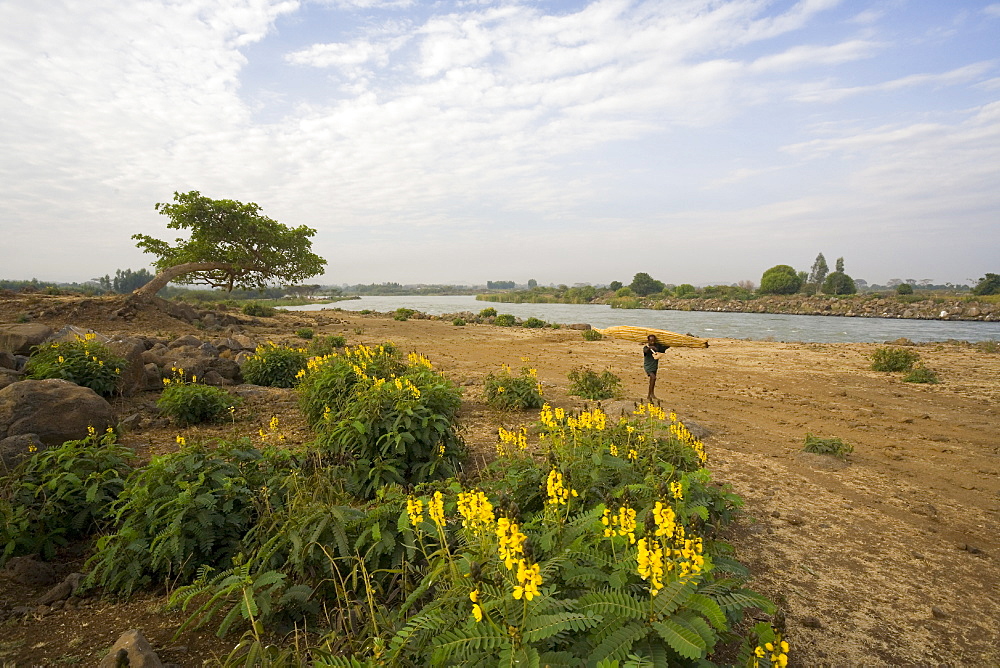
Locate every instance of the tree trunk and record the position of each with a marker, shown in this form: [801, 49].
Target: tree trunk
[149, 290]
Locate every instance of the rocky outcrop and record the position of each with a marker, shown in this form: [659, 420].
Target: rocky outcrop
[54, 410]
[20, 338]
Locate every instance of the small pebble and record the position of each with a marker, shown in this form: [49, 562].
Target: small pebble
[812, 623]
[917, 555]
[938, 612]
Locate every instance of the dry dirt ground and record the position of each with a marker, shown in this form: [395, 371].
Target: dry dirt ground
[888, 559]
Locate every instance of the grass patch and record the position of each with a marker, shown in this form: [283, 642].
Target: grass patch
[827, 446]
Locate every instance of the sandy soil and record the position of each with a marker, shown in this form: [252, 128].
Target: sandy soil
[887, 559]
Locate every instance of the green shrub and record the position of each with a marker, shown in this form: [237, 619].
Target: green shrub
[61, 494]
[275, 366]
[326, 345]
[258, 310]
[488, 312]
[403, 314]
[589, 384]
[827, 446]
[458, 322]
[780, 279]
[893, 359]
[83, 361]
[182, 512]
[305, 333]
[328, 382]
[193, 403]
[625, 302]
[505, 391]
[904, 289]
[921, 374]
[534, 323]
[505, 320]
[592, 335]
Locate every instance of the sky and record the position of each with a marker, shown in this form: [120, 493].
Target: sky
[699, 141]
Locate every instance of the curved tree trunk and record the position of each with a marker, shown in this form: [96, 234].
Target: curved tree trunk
[149, 290]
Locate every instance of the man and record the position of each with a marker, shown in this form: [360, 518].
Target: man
[651, 354]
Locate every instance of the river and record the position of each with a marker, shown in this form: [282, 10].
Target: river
[706, 324]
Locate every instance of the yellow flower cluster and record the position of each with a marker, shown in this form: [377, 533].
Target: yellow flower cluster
[416, 359]
[650, 564]
[510, 542]
[557, 492]
[272, 431]
[415, 511]
[677, 491]
[621, 523]
[435, 508]
[778, 650]
[476, 510]
[681, 433]
[528, 580]
[477, 610]
[666, 520]
[512, 441]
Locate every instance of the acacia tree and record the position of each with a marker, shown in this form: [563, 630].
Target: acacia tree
[232, 245]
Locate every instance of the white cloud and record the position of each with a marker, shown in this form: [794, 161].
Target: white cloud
[953, 77]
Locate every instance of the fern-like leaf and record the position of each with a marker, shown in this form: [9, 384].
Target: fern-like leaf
[618, 644]
[473, 640]
[540, 627]
[710, 609]
[682, 639]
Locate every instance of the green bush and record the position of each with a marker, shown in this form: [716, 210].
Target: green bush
[780, 280]
[488, 312]
[305, 333]
[403, 314]
[326, 345]
[258, 310]
[904, 289]
[625, 302]
[921, 374]
[589, 384]
[458, 322]
[328, 382]
[61, 494]
[182, 512]
[193, 403]
[505, 320]
[275, 366]
[592, 335]
[505, 391]
[83, 361]
[534, 323]
[893, 359]
[827, 446]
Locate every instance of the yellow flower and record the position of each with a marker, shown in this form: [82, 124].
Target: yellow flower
[415, 510]
[528, 579]
[477, 612]
[436, 509]
[181, 441]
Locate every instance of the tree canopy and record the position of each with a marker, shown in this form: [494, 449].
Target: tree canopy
[232, 244]
[780, 279]
[988, 285]
[819, 270]
[643, 284]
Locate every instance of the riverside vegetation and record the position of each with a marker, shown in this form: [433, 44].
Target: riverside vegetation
[599, 543]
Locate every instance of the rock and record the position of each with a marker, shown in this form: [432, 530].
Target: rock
[582, 326]
[901, 341]
[7, 360]
[9, 377]
[188, 341]
[812, 623]
[74, 333]
[29, 571]
[133, 377]
[13, 449]
[133, 650]
[55, 410]
[63, 590]
[20, 338]
[939, 613]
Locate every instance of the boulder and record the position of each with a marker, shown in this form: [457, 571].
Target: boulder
[8, 360]
[187, 341]
[29, 571]
[20, 338]
[131, 649]
[54, 409]
[13, 449]
[582, 326]
[9, 376]
[74, 333]
[133, 378]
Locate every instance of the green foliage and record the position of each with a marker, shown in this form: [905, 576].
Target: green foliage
[305, 333]
[819, 271]
[987, 285]
[258, 310]
[780, 280]
[193, 403]
[625, 302]
[327, 385]
[893, 359]
[182, 511]
[827, 446]
[505, 320]
[458, 322]
[921, 374]
[904, 289]
[232, 244]
[839, 283]
[83, 361]
[625, 292]
[685, 290]
[275, 366]
[506, 391]
[488, 312]
[643, 284]
[61, 494]
[589, 384]
[591, 335]
[326, 345]
[534, 323]
[403, 314]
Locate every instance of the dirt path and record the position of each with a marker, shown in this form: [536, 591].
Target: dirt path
[890, 559]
